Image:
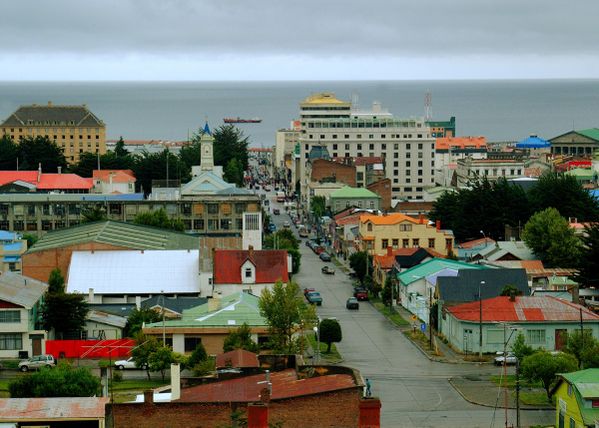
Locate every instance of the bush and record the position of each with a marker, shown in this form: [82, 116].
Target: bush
[61, 381]
[205, 367]
[197, 356]
[117, 376]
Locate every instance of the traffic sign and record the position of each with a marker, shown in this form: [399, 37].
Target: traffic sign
[423, 327]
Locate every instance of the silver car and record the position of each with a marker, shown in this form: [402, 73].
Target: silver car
[509, 359]
[37, 362]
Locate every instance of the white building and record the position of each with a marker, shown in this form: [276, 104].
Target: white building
[406, 144]
[108, 181]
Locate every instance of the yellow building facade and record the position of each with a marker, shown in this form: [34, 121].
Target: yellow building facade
[73, 128]
[378, 232]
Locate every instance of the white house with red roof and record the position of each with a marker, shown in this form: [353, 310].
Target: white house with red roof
[544, 321]
[38, 181]
[248, 270]
[110, 181]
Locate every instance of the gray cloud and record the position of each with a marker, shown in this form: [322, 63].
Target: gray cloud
[323, 28]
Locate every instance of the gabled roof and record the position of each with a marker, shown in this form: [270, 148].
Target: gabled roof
[121, 234]
[523, 309]
[388, 219]
[118, 175]
[177, 305]
[586, 387]
[592, 133]
[386, 261]
[501, 248]
[21, 290]
[231, 312]
[47, 181]
[484, 242]
[238, 358]
[353, 192]
[208, 183]
[464, 287]
[62, 114]
[107, 318]
[271, 265]
[285, 384]
[435, 265]
[432, 278]
[52, 408]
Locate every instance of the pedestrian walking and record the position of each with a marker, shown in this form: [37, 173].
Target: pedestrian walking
[368, 392]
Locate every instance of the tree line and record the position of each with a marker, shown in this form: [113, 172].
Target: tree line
[230, 151]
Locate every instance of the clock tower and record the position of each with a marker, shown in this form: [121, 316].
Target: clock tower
[207, 148]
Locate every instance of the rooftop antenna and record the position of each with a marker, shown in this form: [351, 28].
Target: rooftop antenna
[428, 106]
[354, 101]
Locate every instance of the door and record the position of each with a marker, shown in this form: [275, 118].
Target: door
[36, 346]
[560, 338]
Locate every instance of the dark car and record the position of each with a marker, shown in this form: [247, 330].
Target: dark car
[352, 303]
[276, 211]
[314, 298]
[361, 293]
[325, 257]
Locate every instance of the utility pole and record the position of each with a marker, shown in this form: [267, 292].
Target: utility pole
[517, 393]
[430, 317]
[581, 338]
[480, 321]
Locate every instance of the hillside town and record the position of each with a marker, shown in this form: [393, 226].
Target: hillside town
[364, 264]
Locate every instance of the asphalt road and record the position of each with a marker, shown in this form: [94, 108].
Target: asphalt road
[414, 391]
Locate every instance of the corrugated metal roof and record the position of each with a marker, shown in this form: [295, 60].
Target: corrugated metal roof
[43, 409]
[107, 318]
[237, 358]
[134, 272]
[21, 290]
[270, 265]
[120, 234]
[430, 267]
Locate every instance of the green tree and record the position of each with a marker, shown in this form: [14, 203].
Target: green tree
[8, 153]
[240, 338]
[61, 381]
[510, 290]
[230, 143]
[56, 282]
[584, 347]
[284, 311]
[161, 358]
[285, 240]
[159, 218]
[588, 267]
[31, 239]
[191, 154]
[137, 318]
[66, 313]
[119, 149]
[144, 347]
[33, 151]
[564, 193]
[330, 331]
[361, 263]
[197, 356]
[520, 348]
[88, 162]
[550, 237]
[152, 166]
[318, 206]
[542, 366]
[233, 173]
[95, 213]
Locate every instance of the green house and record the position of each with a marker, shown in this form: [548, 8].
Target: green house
[577, 399]
[354, 197]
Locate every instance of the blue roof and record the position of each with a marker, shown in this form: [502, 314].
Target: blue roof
[432, 279]
[7, 236]
[119, 197]
[14, 246]
[207, 129]
[594, 193]
[533, 142]
[11, 259]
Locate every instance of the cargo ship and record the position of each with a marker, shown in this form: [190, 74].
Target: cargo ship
[240, 120]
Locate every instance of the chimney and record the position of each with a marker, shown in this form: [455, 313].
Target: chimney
[149, 396]
[251, 251]
[370, 413]
[389, 250]
[575, 295]
[60, 169]
[438, 225]
[90, 296]
[214, 302]
[138, 302]
[421, 218]
[39, 172]
[175, 381]
[257, 415]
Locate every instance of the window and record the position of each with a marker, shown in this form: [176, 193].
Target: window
[225, 224]
[11, 341]
[191, 343]
[569, 390]
[212, 208]
[212, 224]
[248, 272]
[405, 227]
[369, 227]
[431, 242]
[572, 423]
[384, 244]
[334, 145]
[405, 243]
[536, 337]
[449, 243]
[494, 336]
[10, 316]
[395, 243]
[415, 242]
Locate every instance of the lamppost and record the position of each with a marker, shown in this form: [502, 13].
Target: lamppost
[163, 325]
[317, 331]
[480, 320]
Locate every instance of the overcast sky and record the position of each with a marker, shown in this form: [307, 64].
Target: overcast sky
[291, 40]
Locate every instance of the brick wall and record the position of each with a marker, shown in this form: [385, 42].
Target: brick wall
[322, 168]
[340, 409]
[38, 265]
[383, 189]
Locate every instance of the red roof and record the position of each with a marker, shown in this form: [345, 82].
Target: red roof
[118, 175]
[237, 358]
[477, 243]
[47, 181]
[522, 309]
[461, 142]
[285, 384]
[52, 408]
[271, 265]
[387, 260]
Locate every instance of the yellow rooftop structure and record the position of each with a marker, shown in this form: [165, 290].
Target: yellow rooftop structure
[324, 98]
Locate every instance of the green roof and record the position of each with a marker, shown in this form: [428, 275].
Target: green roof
[120, 234]
[433, 266]
[582, 173]
[353, 192]
[232, 311]
[586, 385]
[592, 133]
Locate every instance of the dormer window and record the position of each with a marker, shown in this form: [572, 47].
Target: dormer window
[369, 227]
[248, 272]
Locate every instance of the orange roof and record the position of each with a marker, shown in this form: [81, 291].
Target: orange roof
[389, 219]
[118, 175]
[461, 142]
[47, 181]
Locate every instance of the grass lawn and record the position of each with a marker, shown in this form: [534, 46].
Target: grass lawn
[534, 398]
[531, 393]
[511, 382]
[331, 357]
[395, 317]
[138, 384]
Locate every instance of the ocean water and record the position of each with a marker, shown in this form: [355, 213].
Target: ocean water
[500, 110]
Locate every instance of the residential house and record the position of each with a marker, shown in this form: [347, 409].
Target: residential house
[249, 270]
[21, 331]
[417, 285]
[467, 250]
[113, 181]
[103, 325]
[54, 249]
[505, 250]
[12, 247]
[40, 182]
[130, 276]
[80, 412]
[398, 260]
[577, 399]
[543, 320]
[401, 231]
[211, 322]
[353, 197]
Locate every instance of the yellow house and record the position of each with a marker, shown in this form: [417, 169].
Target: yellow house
[577, 399]
[75, 129]
[378, 232]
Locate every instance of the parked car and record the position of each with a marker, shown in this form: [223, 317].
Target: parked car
[286, 224]
[325, 257]
[37, 362]
[276, 211]
[361, 293]
[128, 364]
[309, 290]
[303, 232]
[352, 303]
[314, 298]
[327, 270]
[318, 249]
[272, 227]
[510, 359]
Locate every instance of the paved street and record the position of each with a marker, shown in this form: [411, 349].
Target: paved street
[414, 390]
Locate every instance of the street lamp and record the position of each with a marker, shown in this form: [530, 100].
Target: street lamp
[163, 325]
[317, 331]
[480, 320]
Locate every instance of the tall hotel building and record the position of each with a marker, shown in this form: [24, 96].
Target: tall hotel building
[407, 145]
